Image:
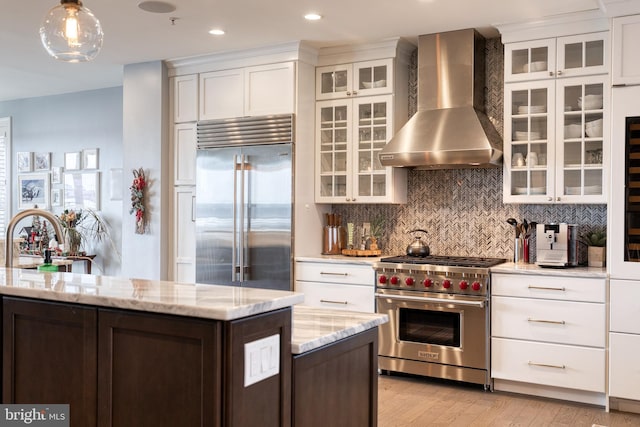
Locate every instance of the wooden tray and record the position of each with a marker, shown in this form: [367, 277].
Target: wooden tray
[360, 252]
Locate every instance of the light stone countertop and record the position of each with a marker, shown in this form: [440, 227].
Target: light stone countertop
[154, 296]
[315, 327]
[513, 268]
[340, 259]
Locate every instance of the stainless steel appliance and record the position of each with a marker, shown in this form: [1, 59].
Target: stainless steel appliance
[439, 317]
[557, 245]
[450, 130]
[244, 201]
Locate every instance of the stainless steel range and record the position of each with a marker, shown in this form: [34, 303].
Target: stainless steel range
[439, 317]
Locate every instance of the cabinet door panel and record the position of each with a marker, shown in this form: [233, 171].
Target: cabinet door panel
[185, 98]
[49, 356]
[624, 371]
[269, 89]
[626, 62]
[158, 370]
[530, 60]
[184, 153]
[184, 244]
[583, 54]
[221, 94]
[529, 148]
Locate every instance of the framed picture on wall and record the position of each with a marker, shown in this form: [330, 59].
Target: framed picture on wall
[82, 190]
[56, 175]
[33, 190]
[90, 158]
[56, 197]
[24, 161]
[41, 161]
[72, 161]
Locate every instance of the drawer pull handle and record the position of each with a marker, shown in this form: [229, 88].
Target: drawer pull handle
[545, 288]
[334, 302]
[546, 365]
[555, 322]
[333, 274]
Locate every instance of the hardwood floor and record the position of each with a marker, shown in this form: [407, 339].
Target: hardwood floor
[415, 401]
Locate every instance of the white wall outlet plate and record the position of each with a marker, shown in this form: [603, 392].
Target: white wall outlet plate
[261, 359]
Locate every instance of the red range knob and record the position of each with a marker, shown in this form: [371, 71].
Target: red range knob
[446, 283]
[409, 281]
[427, 283]
[382, 279]
[476, 286]
[394, 280]
[463, 284]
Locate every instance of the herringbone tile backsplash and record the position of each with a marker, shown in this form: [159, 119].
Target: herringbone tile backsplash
[462, 209]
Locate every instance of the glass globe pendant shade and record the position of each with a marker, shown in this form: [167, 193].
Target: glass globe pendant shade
[71, 33]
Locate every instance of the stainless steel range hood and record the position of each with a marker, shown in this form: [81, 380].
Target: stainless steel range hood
[450, 129]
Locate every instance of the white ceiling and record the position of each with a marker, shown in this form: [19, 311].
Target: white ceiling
[132, 35]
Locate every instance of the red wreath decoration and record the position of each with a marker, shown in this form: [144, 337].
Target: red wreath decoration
[137, 199]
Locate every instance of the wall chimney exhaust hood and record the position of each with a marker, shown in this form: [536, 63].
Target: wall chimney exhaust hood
[450, 130]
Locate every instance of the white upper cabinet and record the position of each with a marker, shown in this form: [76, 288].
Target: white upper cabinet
[269, 89]
[221, 94]
[351, 133]
[357, 79]
[184, 95]
[549, 58]
[556, 139]
[250, 91]
[626, 61]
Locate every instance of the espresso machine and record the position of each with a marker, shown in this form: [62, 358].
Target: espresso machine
[557, 245]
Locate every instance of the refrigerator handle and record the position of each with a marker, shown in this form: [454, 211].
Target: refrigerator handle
[241, 239]
[193, 208]
[235, 216]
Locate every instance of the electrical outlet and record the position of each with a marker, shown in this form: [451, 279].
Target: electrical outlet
[261, 359]
[366, 228]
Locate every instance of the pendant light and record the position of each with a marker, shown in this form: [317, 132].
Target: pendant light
[71, 33]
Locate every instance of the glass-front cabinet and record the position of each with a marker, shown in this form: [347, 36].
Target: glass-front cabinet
[529, 149]
[581, 135]
[351, 134]
[555, 142]
[357, 79]
[569, 56]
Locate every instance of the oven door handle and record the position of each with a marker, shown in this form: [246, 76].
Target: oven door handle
[479, 304]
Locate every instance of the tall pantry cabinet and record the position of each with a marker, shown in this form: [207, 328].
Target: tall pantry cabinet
[256, 82]
[623, 245]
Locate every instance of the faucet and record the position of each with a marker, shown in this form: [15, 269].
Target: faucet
[8, 248]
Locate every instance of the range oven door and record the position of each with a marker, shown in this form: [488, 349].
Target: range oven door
[436, 328]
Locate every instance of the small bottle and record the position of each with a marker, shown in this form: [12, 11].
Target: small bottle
[47, 266]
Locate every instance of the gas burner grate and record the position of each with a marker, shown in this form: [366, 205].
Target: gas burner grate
[453, 261]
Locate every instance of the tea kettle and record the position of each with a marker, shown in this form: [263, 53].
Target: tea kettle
[418, 248]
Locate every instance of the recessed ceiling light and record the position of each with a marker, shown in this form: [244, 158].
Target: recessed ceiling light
[156, 6]
[216, 32]
[312, 16]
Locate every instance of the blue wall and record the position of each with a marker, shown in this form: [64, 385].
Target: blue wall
[70, 123]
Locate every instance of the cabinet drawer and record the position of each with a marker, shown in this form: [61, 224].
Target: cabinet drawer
[335, 273]
[625, 306]
[548, 364]
[624, 371]
[549, 287]
[336, 296]
[561, 322]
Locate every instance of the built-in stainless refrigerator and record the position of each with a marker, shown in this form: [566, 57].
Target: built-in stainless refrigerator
[244, 203]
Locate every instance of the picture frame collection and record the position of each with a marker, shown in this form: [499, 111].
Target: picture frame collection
[77, 183]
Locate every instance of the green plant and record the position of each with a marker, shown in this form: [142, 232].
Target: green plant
[377, 226]
[595, 238]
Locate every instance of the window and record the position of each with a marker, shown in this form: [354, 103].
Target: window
[5, 155]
